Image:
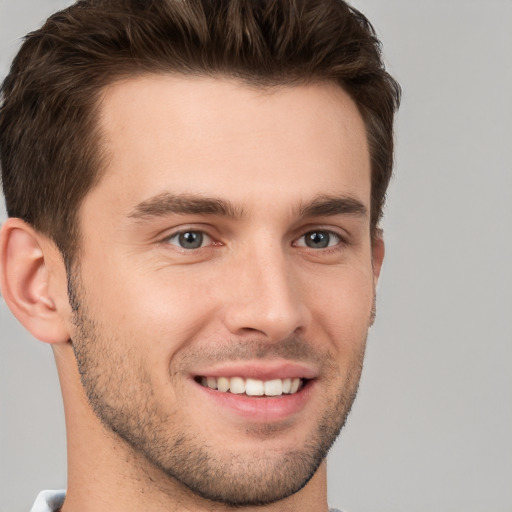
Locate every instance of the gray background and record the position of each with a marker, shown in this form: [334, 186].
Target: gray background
[432, 426]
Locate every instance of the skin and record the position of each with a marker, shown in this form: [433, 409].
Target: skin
[147, 315]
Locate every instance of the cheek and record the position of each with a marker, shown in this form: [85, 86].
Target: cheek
[159, 309]
[341, 305]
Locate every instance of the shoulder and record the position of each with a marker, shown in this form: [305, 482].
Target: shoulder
[48, 501]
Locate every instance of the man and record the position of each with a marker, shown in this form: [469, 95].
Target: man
[194, 190]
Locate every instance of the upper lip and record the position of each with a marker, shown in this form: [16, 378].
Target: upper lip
[267, 370]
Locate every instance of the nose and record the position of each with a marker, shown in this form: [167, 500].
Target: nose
[265, 298]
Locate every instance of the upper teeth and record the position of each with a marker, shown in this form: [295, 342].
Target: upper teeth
[253, 387]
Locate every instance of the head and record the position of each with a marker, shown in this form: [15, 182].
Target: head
[212, 175]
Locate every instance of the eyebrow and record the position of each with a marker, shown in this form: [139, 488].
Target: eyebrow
[329, 206]
[183, 204]
[186, 204]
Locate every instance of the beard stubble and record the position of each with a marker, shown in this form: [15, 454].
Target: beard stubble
[120, 389]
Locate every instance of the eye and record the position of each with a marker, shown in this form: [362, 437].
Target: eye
[319, 239]
[189, 239]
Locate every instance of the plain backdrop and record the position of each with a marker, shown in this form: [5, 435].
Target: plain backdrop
[431, 429]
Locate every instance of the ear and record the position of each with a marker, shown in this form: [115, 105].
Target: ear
[377, 259]
[378, 251]
[26, 261]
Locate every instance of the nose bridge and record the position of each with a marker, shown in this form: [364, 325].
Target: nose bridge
[265, 297]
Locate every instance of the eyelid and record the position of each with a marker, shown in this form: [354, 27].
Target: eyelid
[341, 238]
[208, 239]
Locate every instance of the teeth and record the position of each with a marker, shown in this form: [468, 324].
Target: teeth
[237, 385]
[273, 387]
[223, 384]
[252, 387]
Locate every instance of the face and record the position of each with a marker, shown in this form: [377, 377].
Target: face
[226, 280]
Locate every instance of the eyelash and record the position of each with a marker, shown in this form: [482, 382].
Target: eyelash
[331, 234]
[339, 240]
[184, 232]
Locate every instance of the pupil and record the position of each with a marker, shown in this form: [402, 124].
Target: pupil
[191, 240]
[317, 240]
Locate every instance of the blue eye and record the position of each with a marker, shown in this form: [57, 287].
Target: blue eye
[189, 239]
[319, 239]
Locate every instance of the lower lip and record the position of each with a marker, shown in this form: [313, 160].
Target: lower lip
[261, 409]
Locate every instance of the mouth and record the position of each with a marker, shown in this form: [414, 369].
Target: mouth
[253, 387]
[261, 393]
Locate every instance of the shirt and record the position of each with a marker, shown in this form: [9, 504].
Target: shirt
[51, 501]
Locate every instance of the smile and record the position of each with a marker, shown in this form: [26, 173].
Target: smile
[253, 387]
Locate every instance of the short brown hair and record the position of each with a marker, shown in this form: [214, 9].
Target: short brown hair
[50, 145]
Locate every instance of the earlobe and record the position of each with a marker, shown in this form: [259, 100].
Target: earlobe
[24, 281]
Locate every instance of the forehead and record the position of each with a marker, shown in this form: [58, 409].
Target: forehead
[219, 137]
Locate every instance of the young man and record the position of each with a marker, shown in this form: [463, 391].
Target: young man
[194, 190]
